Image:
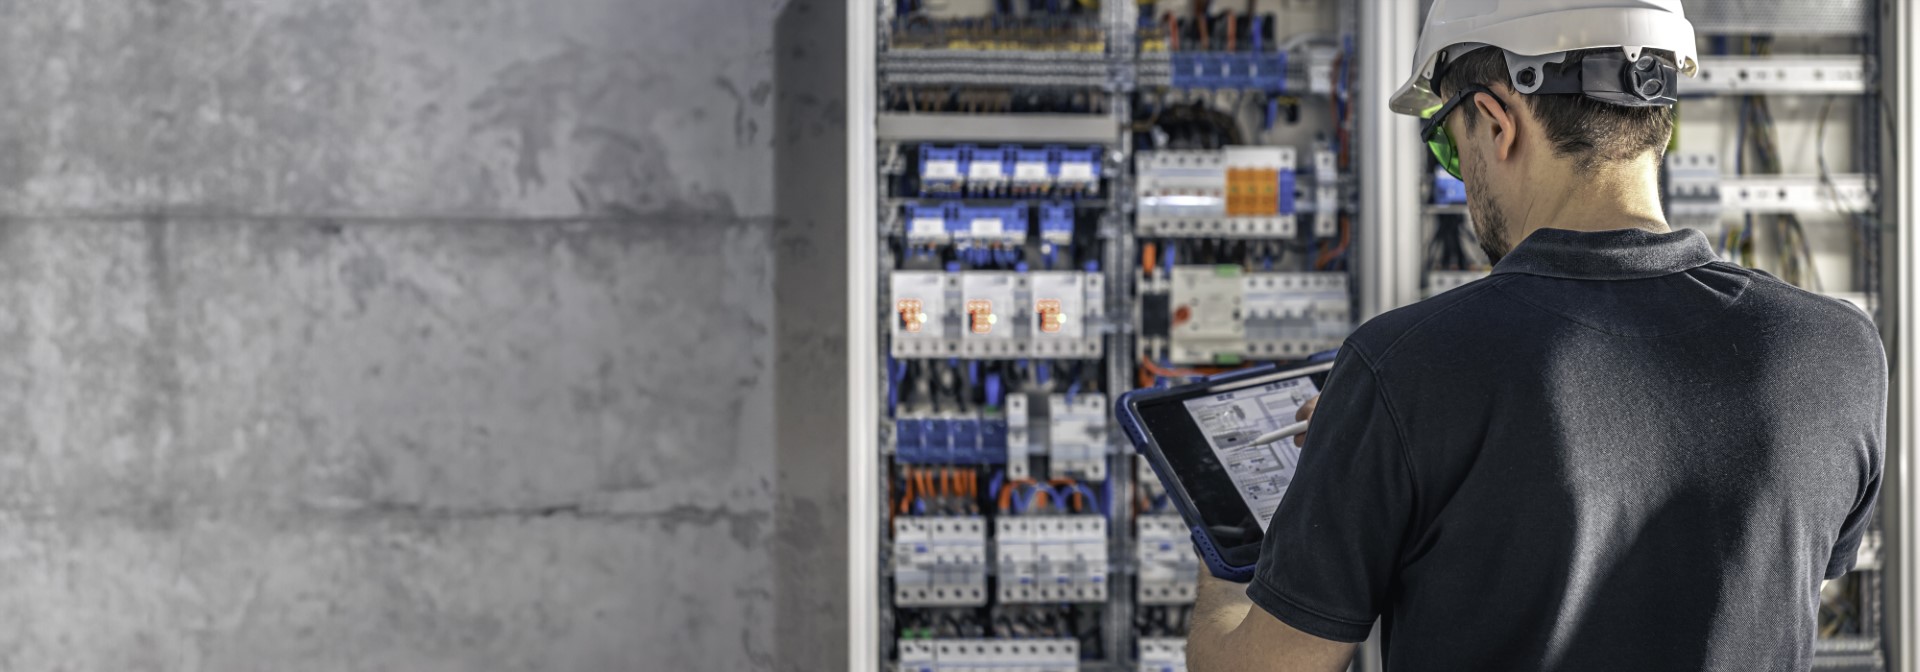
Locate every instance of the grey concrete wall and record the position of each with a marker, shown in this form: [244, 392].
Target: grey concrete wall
[419, 335]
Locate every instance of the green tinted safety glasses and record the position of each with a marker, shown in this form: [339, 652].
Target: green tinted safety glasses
[1434, 129]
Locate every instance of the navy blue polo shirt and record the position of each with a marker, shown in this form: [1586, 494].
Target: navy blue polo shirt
[1614, 453]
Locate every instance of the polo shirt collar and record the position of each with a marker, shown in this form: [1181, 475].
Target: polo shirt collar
[1622, 254]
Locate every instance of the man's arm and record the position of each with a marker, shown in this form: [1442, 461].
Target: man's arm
[1227, 634]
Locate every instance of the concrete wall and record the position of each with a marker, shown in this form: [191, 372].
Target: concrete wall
[420, 335]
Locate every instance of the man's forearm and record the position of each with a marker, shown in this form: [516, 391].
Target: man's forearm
[1227, 634]
[1219, 607]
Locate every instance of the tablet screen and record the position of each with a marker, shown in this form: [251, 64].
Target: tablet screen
[1230, 421]
[1205, 438]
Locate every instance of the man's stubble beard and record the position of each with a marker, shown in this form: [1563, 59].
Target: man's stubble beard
[1489, 221]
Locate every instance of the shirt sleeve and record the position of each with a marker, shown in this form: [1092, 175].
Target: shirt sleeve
[1846, 549]
[1332, 550]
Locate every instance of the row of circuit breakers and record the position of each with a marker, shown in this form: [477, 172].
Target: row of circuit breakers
[1159, 654]
[944, 561]
[987, 305]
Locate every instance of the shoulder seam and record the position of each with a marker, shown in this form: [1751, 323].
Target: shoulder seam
[1393, 416]
[1858, 314]
[1477, 292]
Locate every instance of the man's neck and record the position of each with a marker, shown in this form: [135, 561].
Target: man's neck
[1625, 196]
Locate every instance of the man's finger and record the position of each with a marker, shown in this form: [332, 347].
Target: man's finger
[1305, 412]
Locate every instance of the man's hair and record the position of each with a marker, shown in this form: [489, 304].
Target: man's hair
[1589, 131]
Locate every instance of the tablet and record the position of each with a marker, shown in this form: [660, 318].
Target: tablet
[1199, 440]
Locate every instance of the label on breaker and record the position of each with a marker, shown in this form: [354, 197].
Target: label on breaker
[1030, 172]
[1232, 420]
[985, 170]
[1076, 172]
[987, 227]
[927, 228]
[940, 170]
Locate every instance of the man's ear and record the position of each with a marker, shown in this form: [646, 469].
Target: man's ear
[1502, 125]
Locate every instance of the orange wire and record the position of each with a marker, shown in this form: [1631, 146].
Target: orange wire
[906, 497]
[1157, 370]
[1006, 491]
[1076, 491]
[1173, 32]
[1233, 30]
[1149, 254]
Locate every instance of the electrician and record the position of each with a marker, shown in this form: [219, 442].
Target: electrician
[1614, 453]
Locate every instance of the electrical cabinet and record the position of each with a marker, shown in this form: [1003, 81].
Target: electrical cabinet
[1059, 202]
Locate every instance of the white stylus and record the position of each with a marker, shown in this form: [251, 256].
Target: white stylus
[1294, 429]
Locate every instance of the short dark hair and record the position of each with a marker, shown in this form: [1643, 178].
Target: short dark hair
[1589, 131]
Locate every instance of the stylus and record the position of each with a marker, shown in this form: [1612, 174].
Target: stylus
[1281, 433]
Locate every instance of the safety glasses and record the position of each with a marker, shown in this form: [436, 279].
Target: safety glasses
[1434, 131]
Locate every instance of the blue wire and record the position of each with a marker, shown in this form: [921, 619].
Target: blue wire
[993, 485]
[1072, 391]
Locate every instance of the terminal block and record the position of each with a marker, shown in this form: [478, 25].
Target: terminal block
[1163, 654]
[977, 655]
[1077, 436]
[1051, 558]
[925, 319]
[940, 561]
[1239, 192]
[1163, 552]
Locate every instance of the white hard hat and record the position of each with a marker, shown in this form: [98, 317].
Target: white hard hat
[1542, 31]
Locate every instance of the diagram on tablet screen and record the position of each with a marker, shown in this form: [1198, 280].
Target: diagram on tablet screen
[1232, 420]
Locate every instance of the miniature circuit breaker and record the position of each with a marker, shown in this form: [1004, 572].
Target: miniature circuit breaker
[981, 655]
[1163, 654]
[1051, 558]
[1294, 315]
[1163, 552]
[939, 561]
[1077, 436]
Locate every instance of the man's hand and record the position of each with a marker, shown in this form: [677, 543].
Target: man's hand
[1306, 411]
[1229, 633]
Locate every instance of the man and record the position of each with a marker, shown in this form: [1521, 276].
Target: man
[1614, 453]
